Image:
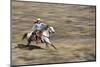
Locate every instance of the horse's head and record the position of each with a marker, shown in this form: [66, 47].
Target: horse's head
[51, 30]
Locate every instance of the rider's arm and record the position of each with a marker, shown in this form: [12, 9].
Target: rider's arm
[34, 26]
[44, 24]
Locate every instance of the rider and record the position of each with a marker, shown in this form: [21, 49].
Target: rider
[38, 26]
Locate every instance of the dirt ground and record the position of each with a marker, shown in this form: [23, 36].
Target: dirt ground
[74, 37]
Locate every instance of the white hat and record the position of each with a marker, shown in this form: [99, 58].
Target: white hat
[38, 19]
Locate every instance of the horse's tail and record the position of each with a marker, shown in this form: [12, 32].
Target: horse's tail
[24, 36]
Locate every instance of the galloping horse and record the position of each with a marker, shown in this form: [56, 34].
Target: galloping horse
[31, 36]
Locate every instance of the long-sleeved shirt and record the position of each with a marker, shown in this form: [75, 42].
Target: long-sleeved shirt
[38, 26]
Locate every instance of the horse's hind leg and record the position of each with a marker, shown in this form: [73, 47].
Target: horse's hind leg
[28, 44]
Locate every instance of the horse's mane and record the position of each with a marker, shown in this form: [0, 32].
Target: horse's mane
[47, 26]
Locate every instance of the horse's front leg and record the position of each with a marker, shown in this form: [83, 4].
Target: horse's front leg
[47, 45]
[47, 41]
[53, 46]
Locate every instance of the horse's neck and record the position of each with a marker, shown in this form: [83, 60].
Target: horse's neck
[46, 33]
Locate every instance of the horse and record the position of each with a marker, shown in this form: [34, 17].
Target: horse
[45, 38]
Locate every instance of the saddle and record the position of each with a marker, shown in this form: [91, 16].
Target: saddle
[37, 34]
